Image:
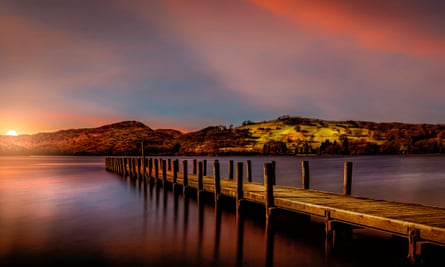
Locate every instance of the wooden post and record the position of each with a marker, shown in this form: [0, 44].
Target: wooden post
[249, 170]
[347, 178]
[185, 182]
[268, 184]
[124, 167]
[200, 177]
[217, 175]
[143, 159]
[204, 167]
[175, 170]
[133, 167]
[144, 168]
[274, 166]
[414, 245]
[156, 163]
[164, 172]
[169, 164]
[305, 174]
[138, 167]
[230, 170]
[239, 185]
[194, 167]
[150, 167]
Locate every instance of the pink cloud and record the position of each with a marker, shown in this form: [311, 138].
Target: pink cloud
[396, 26]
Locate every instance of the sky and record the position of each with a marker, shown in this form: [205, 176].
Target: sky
[191, 64]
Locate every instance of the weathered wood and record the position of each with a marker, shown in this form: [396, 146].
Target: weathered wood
[143, 159]
[239, 185]
[194, 171]
[150, 168]
[268, 183]
[347, 179]
[175, 170]
[164, 172]
[184, 175]
[305, 179]
[169, 164]
[274, 170]
[418, 223]
[200, 176]
[230, 169]
[217, 176]
[249, 170]
[156, 163]
[204, 167]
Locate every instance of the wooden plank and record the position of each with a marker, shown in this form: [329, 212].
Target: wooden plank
[389, 216]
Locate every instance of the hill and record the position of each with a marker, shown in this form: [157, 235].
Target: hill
[296, 135]
[123, 138]
[285, 135]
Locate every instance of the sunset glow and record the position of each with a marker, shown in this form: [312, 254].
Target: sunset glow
[11, 133]
[190, 64]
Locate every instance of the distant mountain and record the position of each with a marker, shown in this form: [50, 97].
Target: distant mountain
[123, 138]
[285, 135]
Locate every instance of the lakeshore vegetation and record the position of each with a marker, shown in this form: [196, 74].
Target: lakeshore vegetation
[283, 136]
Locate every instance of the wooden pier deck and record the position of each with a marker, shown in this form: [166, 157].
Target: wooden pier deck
[418, 223]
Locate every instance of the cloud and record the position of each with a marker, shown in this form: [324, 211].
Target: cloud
[412, 27]
[325, 61]
[189, 64]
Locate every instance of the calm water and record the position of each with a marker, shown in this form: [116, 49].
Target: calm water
[70, 211]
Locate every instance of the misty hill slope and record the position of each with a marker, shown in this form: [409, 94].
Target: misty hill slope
[285, 135]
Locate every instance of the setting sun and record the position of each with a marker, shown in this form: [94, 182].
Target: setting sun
[11, 133]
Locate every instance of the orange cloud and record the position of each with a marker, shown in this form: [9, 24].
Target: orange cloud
[383, 25]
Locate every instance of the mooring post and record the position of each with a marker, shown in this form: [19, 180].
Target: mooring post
[217, 176]
[150, 168]
[194, 167]
[133, 167]
[164, 173]
[139, 165]
[274, 167]
[230, 170]
[144, 166]
[305, 174]
[249, 170]
[200, 177]
[330, 233]
[200, 183]
[239, 186]
[347, 178]
[175, 175]
[113, 164]
[414, 245]
[129, 167]
[156, 163]
[185, 182]
[123, 167]
[204, 167]
[269, 177]
[143, 159]
[175, 171]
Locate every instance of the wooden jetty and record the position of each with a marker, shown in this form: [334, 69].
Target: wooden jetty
[418, 223]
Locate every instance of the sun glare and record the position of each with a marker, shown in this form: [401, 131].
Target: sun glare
[11, 133]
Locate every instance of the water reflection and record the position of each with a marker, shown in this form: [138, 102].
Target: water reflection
[269, 242]
[57, 214]
[239, 238]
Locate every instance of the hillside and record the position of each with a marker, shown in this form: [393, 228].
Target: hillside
[312, 136]
[122, 138]
[285, 135]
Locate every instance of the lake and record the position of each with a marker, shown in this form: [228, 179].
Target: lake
[69, 211]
